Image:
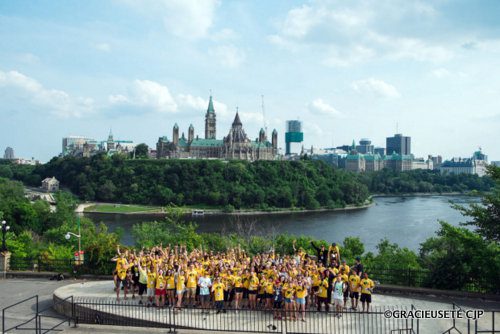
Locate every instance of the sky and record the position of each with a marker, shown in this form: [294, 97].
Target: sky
[347, 69]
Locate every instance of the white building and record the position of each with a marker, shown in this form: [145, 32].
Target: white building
[474, 165]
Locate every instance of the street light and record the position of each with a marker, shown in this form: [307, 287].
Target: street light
[5, 228]
[79, 236]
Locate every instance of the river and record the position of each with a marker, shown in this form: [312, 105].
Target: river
[407, 221]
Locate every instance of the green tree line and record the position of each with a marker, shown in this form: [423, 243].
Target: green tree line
[388, 181]
[237, 184]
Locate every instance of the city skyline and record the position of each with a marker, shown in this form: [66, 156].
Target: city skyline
[428, 70]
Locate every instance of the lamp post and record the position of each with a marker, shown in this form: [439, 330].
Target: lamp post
[5, 228]
[79, 236]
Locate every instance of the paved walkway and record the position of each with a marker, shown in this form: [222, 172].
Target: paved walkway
[15, 290]
[99, 296]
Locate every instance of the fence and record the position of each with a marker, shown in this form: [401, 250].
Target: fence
[34, 319]
[105, 311]
[108, 312]
[244, 320]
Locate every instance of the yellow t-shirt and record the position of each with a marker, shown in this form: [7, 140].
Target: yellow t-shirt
[192, 279]
[354, 282]
[288, 290]
[316, 280]
[335, 249]
[218, 290]
[151, 280]
[301, 292]
[269, 287]
[253, 283]
[181, 280]
[366, 284]
[121, 268]
[345, 278]
[160, 282]
[237, 281]
[323, 289]
[346, 268]
[170, 282]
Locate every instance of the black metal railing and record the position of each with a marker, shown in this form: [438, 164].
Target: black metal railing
[130, 313]
[108, 312]
[26, 315]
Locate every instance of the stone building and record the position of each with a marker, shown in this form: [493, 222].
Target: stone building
[50, 184]
[236, 145]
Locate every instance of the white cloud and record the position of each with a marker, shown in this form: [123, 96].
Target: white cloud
[440, 73]
[225, 34]
[351, 33]
[147, 95]
[342, 57]
[183, 18]
[318, 106]
[312, 129]
[299, 21]
[375, 87]
[59, 102]
[104, 47]
[228, 55]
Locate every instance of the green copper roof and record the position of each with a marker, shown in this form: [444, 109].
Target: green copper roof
[372, 157]
[257, 144]
[183, 142]
[354, 156]
[207, 143]
[210, 109]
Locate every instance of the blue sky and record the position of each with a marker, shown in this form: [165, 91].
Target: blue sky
[347, 69]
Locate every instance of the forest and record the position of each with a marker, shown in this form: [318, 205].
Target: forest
[261, 185]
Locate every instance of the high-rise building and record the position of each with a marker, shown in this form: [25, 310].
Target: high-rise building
[365, 146]
[9, 153]
[293, 134]
[398, 144]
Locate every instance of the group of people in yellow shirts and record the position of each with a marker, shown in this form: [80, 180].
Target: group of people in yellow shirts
[286, 284]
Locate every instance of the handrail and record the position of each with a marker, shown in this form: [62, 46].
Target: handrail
[13, 305]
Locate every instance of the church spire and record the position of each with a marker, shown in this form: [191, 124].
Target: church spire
[237, 120]
[210, 109]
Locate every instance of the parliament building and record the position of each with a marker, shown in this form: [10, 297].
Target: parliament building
[236, 145]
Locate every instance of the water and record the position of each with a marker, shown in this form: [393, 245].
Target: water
[407, 221]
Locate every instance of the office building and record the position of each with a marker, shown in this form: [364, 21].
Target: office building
[9, 153]
[398, 144]
[365, 146]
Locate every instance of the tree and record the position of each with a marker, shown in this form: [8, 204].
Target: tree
[461, 259]
[486, 216]
[142, 151]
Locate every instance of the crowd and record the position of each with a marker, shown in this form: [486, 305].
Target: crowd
[173, 277]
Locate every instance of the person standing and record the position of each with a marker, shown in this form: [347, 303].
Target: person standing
[354, 289]
[204, 282]
[338, 294]
[323, 293]
[367, 286]
[218, 290]
[359, 267]
[322, 253]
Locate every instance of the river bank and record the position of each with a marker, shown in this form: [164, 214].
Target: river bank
[158, 211]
